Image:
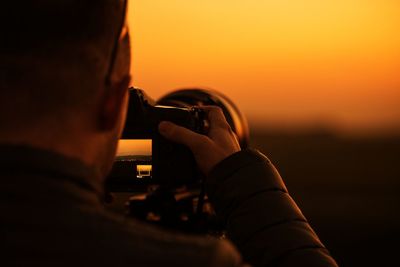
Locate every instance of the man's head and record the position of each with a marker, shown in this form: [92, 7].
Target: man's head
[64, 74]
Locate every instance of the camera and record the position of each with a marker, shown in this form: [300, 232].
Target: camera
[160, 161]
[164, 183]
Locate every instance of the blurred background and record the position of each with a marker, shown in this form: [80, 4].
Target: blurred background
[319, 83]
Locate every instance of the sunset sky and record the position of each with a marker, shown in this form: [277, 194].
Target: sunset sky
[134, 147]
[286, 63]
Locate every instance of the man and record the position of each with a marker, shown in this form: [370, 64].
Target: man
[65, 69]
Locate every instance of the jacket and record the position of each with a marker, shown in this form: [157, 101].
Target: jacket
[51, 214]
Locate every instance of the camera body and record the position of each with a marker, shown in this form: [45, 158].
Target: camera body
[166, 188]
[169, 164]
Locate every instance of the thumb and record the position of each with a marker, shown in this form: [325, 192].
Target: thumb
[181, 135]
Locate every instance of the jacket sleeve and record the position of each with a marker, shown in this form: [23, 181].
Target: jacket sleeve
[260, 217]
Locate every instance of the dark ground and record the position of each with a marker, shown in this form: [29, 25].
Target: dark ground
[348, 188]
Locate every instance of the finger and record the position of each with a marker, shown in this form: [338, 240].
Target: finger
[181, 135]
[216, 117]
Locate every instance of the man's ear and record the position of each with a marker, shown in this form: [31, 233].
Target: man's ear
[113, 105]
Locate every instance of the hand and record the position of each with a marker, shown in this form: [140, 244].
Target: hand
[210, 149]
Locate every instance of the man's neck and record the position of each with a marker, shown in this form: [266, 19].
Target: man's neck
[66, 142]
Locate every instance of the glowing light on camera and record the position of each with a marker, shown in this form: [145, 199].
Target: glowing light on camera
[144, 171]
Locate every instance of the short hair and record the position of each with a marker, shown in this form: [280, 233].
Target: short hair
[52, 52]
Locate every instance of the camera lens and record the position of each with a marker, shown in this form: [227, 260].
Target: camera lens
[207, 97]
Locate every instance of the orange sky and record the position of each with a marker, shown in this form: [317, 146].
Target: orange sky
[134, 147]
[284, 62]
